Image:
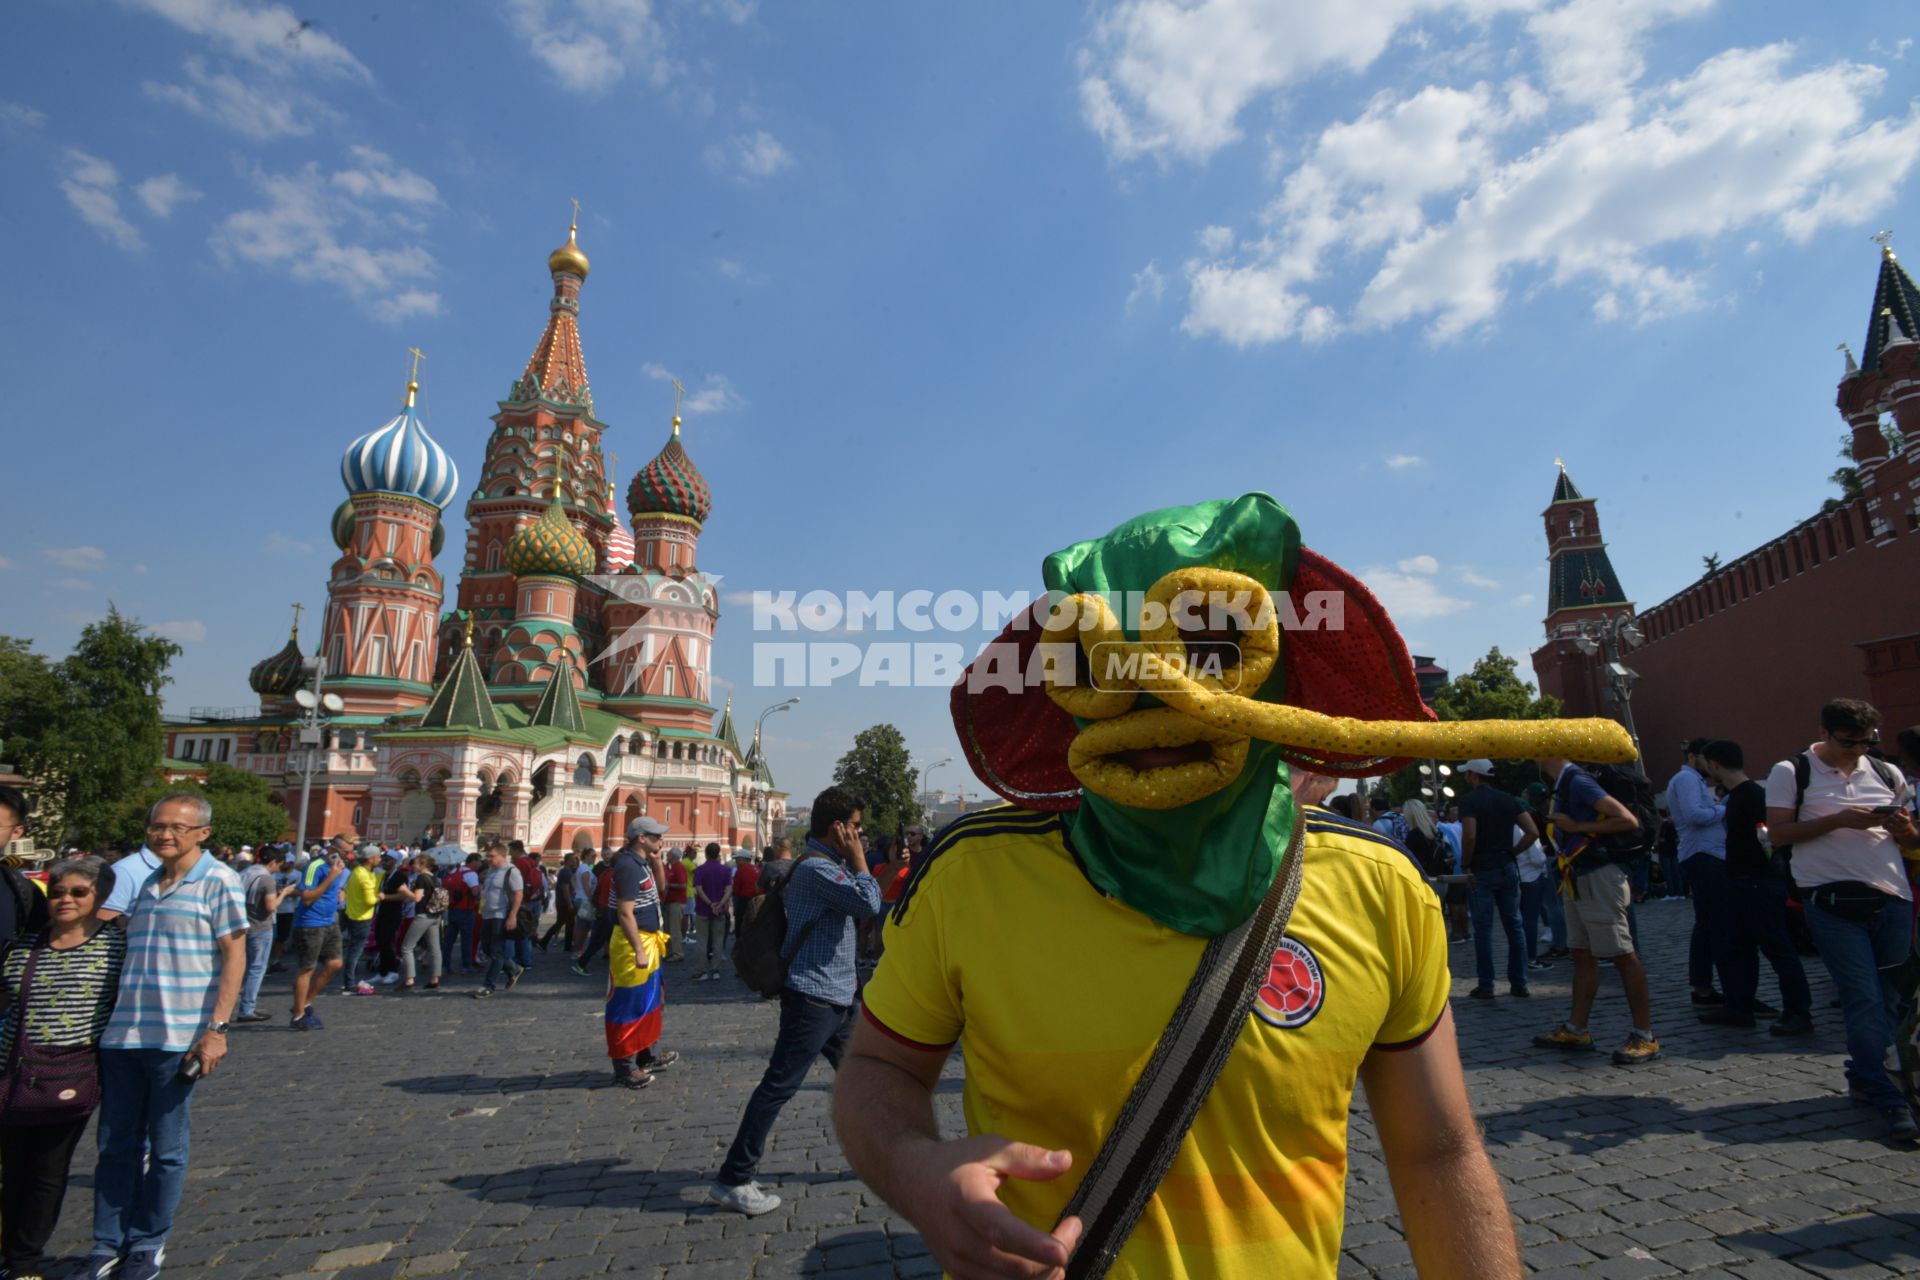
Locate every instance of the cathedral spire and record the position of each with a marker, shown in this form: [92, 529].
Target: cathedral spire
[1896, 307]
[557, 370]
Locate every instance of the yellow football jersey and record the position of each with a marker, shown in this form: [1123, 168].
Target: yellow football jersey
[1058, 995]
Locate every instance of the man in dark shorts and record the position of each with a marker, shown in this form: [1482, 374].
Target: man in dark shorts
[316, 931]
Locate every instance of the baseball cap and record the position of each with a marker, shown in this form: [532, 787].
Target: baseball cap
[742, 853]
[1482, 767]
[645, 826]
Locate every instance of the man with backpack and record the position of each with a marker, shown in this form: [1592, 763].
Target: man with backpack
[828, 890]
[1844, 812]
[1756, 918]
[1593, 862]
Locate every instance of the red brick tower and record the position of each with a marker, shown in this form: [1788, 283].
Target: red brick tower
[1581, 587]
[1880, 399]
[545, 427]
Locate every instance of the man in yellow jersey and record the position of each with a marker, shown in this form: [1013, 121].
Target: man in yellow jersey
[1052, 938]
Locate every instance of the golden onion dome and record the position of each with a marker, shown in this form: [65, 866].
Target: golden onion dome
[550, 545]
[568, 257]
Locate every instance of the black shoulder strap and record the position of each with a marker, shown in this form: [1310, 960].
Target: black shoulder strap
[1802, 775]
[1168, 1095]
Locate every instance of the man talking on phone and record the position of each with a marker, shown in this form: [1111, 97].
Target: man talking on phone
[1844, 813]
[828, 890]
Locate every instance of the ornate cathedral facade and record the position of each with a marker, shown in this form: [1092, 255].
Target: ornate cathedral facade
[568, 690]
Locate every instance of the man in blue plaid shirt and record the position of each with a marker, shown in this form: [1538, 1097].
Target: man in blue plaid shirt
[828, 890]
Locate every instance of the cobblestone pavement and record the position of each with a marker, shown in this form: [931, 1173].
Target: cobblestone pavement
[434, 1135]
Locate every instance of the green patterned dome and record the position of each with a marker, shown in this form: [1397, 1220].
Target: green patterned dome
[280, 675]
[670, 485]
[550, 545]
[343, 524]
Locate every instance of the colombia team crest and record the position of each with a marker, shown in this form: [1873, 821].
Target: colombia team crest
[1294, 989]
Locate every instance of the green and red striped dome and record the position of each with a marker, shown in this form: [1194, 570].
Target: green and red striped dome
[670, 485]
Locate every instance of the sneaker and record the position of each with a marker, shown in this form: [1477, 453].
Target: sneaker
[1561, 1038]
[1537, 965]
[632, 1079]
[1708, 997]
[301, 1023]
[483, 993]
[1859, 1097]
[1636, 1052]
[657, 1061]
[144, 1264]
[748, 1198]
[390, 979]
[364, 989]
[1481, 993]
[513, 976]
[1794, 1024]
[577, 969]
[313, 1020]
[1900, 1124]
[1558, 953]
[255, 1016]
[1520, 992]
[102, 1265]
[1726, 1016]
[1765, 1010]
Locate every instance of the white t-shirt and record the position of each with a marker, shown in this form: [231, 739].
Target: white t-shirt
[1532, 863]
[1871, 857]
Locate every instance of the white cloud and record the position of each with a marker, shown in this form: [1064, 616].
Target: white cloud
[78, 559]
[749, 156]
[18, 115]
[72, 584]
[261, 110]
[338, 230]
[1556, 163]
[268, 35]
[5, 563]
[1170, 78]
[1480, 580]
[590, 45]
[1401, 461]
[165, 193]
[1424, 565]
[91, 186]
[1523, 599]
[715, 394]
[184, 631]
[1149, 286]
[1411, 593]
[1897, 52]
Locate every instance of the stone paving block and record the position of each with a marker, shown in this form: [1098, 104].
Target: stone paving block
[354, 1256]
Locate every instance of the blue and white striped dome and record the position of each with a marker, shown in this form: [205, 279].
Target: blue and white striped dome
[401, 458]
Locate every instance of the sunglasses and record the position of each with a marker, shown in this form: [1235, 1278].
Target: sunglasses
[54, 895]
[1854, 744]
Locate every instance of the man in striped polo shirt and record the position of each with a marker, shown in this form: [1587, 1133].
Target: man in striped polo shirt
[186, 958]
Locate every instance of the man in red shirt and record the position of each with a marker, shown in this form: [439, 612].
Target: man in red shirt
[746, 886]
[676, 878]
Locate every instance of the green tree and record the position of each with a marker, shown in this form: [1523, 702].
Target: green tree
[1711, 563]
[86, 730]
[244, 808]
[880, 770]
[1493, 690]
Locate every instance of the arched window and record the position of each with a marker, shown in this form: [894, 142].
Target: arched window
[583, 771]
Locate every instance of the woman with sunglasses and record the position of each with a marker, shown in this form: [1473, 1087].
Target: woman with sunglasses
[58, 989]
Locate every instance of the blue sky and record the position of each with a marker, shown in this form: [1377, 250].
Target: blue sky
[950, 286]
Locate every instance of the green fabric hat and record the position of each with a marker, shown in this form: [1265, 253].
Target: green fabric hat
[1201, 868]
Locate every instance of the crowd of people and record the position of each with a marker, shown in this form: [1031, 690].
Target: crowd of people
[1814, 857]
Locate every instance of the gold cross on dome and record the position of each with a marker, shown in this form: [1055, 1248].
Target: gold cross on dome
[298, 609]
[576, 215]
[1882, 238]
[678, 391]
[1558, 463]
[418, 356]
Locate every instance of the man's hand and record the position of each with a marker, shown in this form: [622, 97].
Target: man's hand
[1857, 820]
[209, 1048]
[1900, 826]
[1566, 822]
[959, 1212]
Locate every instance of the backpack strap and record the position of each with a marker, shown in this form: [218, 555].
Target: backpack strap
[1167, 1097]
[1802, 777]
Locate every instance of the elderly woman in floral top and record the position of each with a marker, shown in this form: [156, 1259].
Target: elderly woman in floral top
[64, 1004]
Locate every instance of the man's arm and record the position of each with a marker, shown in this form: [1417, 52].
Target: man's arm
[1469, 831]
[310, 896]
[1532, 829]
[883, 1111]
[1691, 804]
[1610, 817]
[630, 927]
[1451, 1205]
[212, 1046]
[1784, 828]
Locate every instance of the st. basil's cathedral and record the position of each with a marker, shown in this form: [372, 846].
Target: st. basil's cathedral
[568, 690]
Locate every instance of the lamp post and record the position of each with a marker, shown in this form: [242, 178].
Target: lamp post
[927, 773]
[318, 708]
[1609, 639]
[1433, 782]
[760, 793]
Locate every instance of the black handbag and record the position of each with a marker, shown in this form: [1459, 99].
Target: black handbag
[46, 1084]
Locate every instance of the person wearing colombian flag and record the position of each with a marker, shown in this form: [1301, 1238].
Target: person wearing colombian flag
[1150, 810]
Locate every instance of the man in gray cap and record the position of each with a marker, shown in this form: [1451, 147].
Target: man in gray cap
[636, 996]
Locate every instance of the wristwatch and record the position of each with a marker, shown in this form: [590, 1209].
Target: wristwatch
[218, 1028]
